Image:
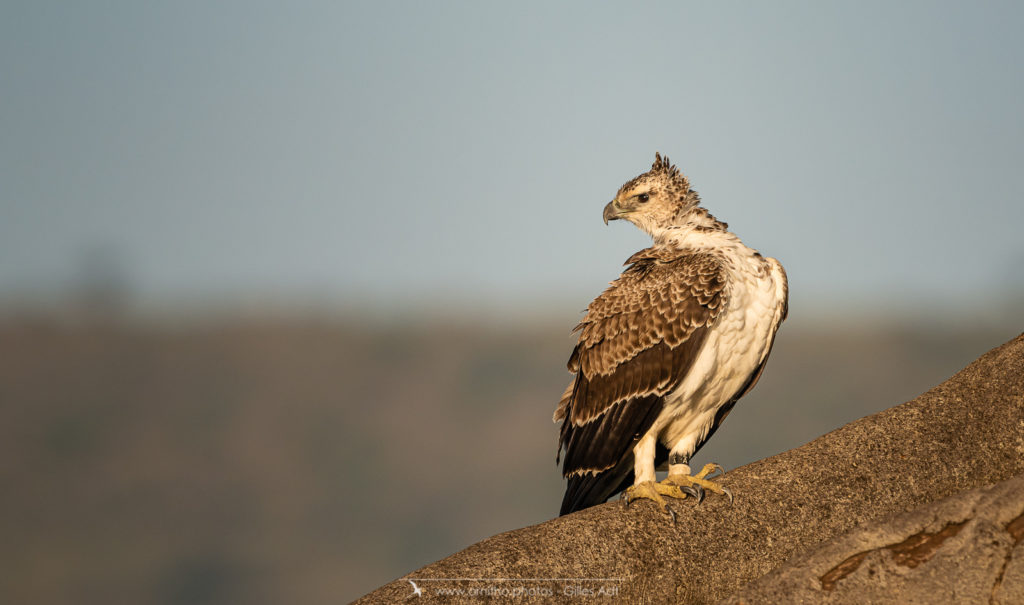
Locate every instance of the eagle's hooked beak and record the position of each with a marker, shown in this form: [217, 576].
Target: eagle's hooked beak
[611, 212]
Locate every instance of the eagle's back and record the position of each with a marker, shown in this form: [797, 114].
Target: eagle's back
[663, 349]
[637, 342]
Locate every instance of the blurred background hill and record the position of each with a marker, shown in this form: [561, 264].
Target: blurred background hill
[305, 459]
[286, 291]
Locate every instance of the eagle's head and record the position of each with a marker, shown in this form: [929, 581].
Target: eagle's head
[656, 199]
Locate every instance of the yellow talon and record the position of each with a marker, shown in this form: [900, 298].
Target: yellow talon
[707, 470]
[678, 487]
[649, 490]
[683, 481]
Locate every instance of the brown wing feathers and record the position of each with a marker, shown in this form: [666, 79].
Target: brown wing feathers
[637, 341]
[609, 439]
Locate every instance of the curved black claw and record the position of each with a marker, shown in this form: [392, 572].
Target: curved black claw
[694, 491]
[727, 493]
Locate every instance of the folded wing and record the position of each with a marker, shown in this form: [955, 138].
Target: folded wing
[637, 342]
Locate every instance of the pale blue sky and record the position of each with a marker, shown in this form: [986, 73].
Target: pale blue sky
[404, 150]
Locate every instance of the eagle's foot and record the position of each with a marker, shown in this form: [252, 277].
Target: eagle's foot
[699, 482]
[657, 492]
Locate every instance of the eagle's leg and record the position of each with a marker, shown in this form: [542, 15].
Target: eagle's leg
[679, 475]
[645, 487]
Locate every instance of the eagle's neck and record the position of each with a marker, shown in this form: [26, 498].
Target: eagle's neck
[696, 229]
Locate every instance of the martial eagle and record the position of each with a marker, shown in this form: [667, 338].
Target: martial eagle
[667, 350]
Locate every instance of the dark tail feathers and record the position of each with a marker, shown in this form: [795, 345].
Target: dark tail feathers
[584, 491]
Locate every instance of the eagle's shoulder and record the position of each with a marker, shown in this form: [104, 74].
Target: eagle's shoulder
[662, 296]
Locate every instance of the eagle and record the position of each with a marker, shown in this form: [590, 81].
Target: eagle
[666, 350]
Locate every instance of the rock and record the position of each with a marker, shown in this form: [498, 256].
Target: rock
[966, 433]
[966, 548]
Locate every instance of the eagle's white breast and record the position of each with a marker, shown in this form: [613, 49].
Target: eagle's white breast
[736, 346]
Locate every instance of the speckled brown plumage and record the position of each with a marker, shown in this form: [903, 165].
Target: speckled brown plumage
[637, 341]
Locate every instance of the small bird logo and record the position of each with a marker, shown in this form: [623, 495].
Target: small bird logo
[416, 591]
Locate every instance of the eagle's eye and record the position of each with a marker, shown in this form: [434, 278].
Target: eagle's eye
[643, 197]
